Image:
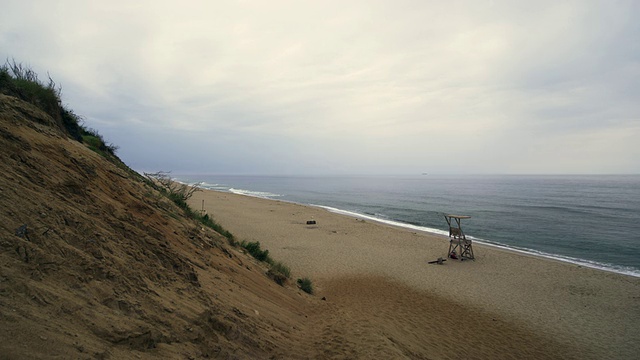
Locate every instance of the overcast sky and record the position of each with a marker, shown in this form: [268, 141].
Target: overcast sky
[345, 87]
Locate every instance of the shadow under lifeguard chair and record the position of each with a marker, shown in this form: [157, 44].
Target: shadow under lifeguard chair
[459, 246]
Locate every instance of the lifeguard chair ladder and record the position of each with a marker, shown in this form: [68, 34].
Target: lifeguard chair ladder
[458, 242]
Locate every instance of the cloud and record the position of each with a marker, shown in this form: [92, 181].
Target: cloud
[362, 86]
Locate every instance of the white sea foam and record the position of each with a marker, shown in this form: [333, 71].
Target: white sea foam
[260, 194]
[581, 262]
[384, 221]
[217, 187]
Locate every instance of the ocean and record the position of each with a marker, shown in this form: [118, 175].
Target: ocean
[590, 220]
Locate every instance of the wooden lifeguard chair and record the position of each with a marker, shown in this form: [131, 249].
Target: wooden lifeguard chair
[459, 245]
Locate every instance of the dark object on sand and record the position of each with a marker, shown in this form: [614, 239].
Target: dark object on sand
[22, 232]
[440, 261]
[311, 222]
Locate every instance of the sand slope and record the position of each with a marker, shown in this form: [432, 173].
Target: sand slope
[110, 269]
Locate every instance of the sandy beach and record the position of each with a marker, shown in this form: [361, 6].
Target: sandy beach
[381, 289]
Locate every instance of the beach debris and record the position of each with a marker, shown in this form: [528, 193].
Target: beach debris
[438, 261]
[311, 222]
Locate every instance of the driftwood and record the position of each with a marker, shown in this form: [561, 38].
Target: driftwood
[439, 261]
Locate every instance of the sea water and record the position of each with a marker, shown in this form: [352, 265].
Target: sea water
[589, 220]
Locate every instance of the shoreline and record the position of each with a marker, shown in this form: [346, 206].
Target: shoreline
[525, 251]
[598, 310]
[616, 269]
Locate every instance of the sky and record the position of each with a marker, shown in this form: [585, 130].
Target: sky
[345, 87]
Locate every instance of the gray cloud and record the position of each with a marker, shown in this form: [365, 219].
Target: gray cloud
[355, 87]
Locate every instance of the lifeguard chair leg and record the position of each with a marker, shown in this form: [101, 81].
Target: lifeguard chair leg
[467, 250]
